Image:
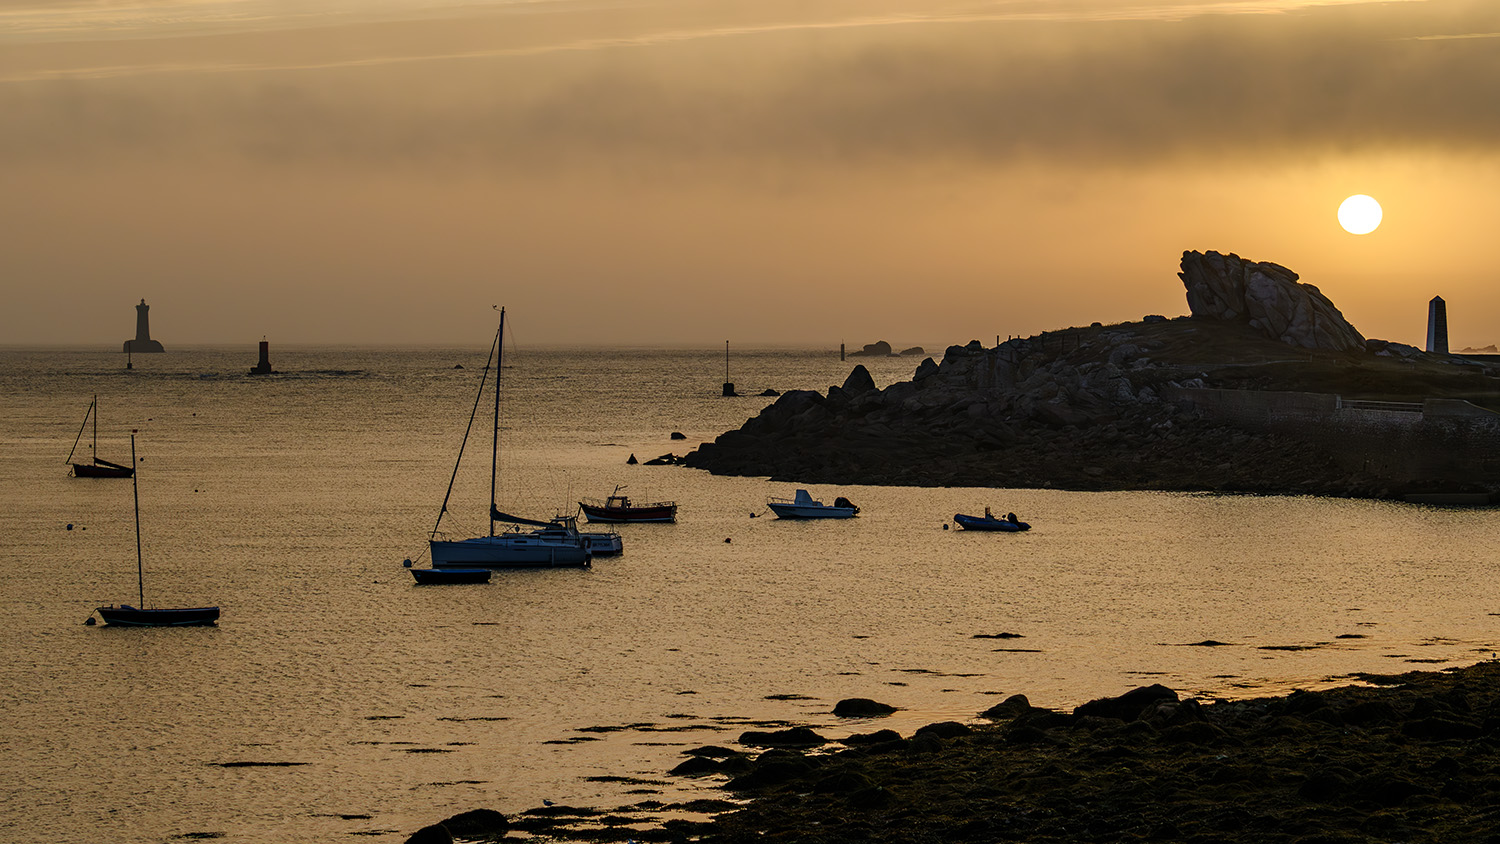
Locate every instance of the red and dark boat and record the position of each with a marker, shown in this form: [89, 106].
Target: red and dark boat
[619, 508]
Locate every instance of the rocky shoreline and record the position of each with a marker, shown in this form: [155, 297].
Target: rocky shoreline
[1411, 757]
[1110, 407]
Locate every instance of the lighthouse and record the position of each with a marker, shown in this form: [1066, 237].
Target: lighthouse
[142, 342]
[1437, 325]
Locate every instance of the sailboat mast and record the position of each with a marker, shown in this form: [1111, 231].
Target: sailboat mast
[135, 488]
[94, 449]
[495, 435]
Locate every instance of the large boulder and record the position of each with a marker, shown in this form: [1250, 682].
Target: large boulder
[1269, 298]
[859, 381]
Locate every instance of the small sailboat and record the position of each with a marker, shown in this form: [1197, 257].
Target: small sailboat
[125, 615]
[512, 548]
[96, 468]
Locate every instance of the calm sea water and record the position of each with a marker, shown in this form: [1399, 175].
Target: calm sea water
[373, 707]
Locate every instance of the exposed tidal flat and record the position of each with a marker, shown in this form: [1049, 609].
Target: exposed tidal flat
[336, 700]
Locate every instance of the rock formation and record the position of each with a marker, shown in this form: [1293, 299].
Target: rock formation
[877, 349]
[1116, 407]
[1269, 298]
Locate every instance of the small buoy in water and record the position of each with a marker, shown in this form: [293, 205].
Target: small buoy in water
[752, 515]
[726, 539]
[632, 461]
[406, 562]
[88, 622]
[945, 525]
[70, 527]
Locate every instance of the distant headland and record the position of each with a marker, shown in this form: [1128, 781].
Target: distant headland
[142, 342]
[1265, 388]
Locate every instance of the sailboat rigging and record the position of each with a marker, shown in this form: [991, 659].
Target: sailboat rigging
[557, 543]
[126, 615]
[96, 468]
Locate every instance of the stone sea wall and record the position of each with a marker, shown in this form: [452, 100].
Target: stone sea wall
[1433, 441]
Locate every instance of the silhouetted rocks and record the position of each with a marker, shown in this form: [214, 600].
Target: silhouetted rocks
[1012, 707]
[861, 707]
[1268, 298]
[1410, 757]
[1117, 407]
[878, 349]
[1126, 707]
[434, 834]
[790, 737]
[474, 825]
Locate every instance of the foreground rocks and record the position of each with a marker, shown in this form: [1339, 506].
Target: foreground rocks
[1412, 758]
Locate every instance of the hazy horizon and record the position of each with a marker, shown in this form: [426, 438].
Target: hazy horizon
[675, 173]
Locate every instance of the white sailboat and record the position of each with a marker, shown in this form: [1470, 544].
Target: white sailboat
[511, 548]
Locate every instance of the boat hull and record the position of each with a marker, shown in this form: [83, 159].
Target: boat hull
[622, 515]
[99, 470]
[128, 616]
[993, 524]
[508, 550]
[603, 544]
[804, 511]
[453, 575]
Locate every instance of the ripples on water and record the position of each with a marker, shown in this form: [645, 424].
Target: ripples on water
[336, 698]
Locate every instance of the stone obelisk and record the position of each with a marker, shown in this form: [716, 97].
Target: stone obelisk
[142, 342]
[1437, 325]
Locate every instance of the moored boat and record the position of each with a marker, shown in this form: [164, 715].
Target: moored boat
[125, 615]
[97, 467]
[426, 577]
[803, 506]
[1009, 524]
[512, 548]
[617, 508]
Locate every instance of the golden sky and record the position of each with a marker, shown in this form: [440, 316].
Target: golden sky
[682, 172]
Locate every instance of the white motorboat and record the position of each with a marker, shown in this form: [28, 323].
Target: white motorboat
[599, 543]
[804, 506]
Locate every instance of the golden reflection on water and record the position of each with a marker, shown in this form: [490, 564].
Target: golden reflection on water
[335, 697]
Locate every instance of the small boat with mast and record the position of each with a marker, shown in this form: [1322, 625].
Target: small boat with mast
[619, 508]
[125, 615]
[551, 545]
[96, 467]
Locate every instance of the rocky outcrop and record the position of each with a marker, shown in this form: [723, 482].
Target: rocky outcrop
[878, 349]
[1113, 407]
[862, 707]
[1267, 297]
[1076, 412]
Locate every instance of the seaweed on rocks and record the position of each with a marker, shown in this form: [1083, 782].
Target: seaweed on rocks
[1414, 757]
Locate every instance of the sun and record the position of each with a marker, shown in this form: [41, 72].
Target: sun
[1360, 214]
